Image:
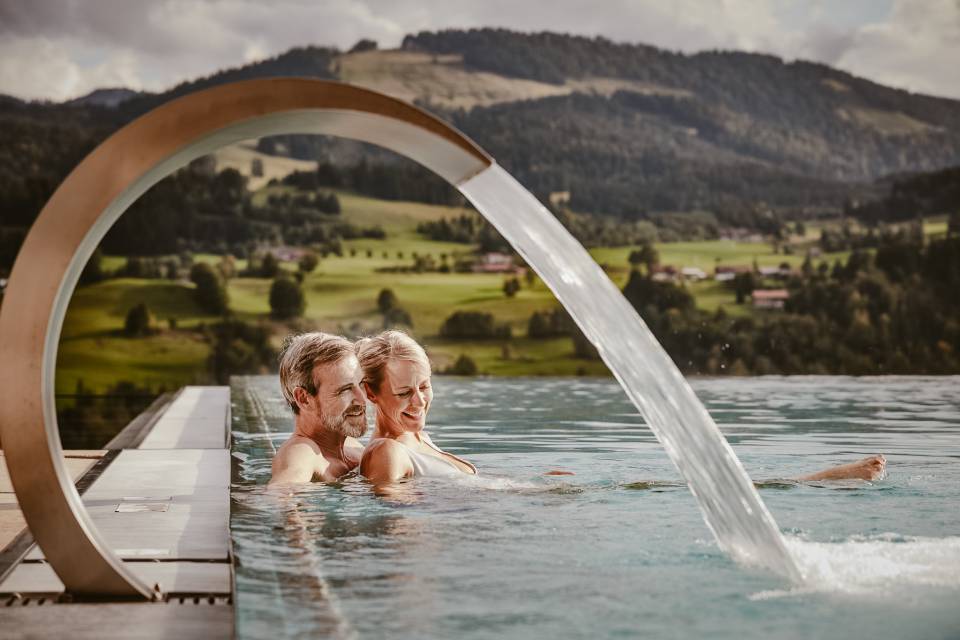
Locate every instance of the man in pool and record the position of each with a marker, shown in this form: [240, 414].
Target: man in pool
[320, 378]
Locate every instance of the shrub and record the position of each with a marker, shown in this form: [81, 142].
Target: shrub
[308, 262]
[93, 272]
[397, 316]
[138, 321]
[386, 300]
[286, 298]
[210, 293]
[464, 366]
[582, 347]
[238, 348]
[549, 324]
[269, 266]
[473, 325]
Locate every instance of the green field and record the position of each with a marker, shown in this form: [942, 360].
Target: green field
[341, 297]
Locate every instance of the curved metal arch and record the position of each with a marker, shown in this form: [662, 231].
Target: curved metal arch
[77, 217]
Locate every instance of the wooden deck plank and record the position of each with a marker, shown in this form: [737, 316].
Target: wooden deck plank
[196, 419]
[169, 501]
[173, 577]
[11, 519]
[77, 464]
[117, 621]
[193, 485]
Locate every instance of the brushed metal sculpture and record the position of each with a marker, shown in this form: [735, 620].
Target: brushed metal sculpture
[77, 217]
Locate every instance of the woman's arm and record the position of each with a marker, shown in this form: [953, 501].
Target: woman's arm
[386, 461]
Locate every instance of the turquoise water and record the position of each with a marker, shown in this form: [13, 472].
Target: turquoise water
[619, 549]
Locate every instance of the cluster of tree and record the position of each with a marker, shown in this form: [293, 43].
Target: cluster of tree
[619, 161]
[238, 348]
[511, 286]
[606, 231]
[308, 200]
[473, 325]
[913, 196]
[210, 291]
[387, 179]
[286, 298]
[549, 324]
[846, 237]
[894, 311]
[139, 321]
[393, 314]
[462, 366]
[468, 229]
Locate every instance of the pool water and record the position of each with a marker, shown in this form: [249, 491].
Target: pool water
[619, 549]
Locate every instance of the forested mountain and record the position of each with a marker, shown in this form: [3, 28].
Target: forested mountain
[629, 130]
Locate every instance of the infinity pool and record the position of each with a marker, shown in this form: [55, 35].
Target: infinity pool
[619, 548]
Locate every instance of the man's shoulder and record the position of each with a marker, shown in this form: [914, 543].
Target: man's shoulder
[297, 460]
[298, 446]
[297, 450]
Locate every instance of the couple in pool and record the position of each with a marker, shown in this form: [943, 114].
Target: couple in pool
[327, 381]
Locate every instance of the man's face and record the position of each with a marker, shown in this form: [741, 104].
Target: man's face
[342, 406]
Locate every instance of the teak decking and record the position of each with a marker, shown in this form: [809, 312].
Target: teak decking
[164, 509]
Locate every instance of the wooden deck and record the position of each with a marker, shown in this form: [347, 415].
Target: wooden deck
[163, 507]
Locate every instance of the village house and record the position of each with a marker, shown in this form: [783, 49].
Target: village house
[494, 262]
[664, 273]
[694, 274]
[287, 254]
[769, 298]
[726, 273]
[559, 198]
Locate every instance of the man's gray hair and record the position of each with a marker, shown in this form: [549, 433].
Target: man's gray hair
[301, 353]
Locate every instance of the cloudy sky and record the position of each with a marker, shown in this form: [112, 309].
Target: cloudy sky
[60, 49]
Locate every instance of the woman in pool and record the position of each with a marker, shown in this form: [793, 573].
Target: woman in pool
[396, 378]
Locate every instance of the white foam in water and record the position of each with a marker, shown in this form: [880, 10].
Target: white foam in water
[875, 565]
[730, 505]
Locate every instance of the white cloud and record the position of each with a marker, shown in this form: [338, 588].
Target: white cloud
[39, 68]
[917, 49]
[62, 49]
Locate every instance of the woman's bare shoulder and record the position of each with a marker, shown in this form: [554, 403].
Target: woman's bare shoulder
[384, 456]
[379, 448]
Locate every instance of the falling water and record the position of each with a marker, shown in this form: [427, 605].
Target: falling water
[730, 505]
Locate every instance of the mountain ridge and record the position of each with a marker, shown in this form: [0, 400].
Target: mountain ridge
[629, 130]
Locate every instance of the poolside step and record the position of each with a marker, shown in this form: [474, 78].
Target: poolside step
[163, 508]
[196, 419]
[162, 504]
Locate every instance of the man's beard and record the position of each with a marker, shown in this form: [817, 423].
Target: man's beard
[352, 426]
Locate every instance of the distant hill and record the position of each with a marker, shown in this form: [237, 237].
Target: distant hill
[629, 130]
[104, 98]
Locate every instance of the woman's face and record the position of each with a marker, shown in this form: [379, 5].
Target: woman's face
[404, 397]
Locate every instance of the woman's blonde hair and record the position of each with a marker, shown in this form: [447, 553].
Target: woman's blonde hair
[376, 351]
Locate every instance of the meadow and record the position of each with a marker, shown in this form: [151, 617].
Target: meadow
[341, 297]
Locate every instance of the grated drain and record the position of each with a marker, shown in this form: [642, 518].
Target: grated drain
[19, 600]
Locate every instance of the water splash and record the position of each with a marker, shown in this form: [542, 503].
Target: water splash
[885, 564]
[730, 505]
